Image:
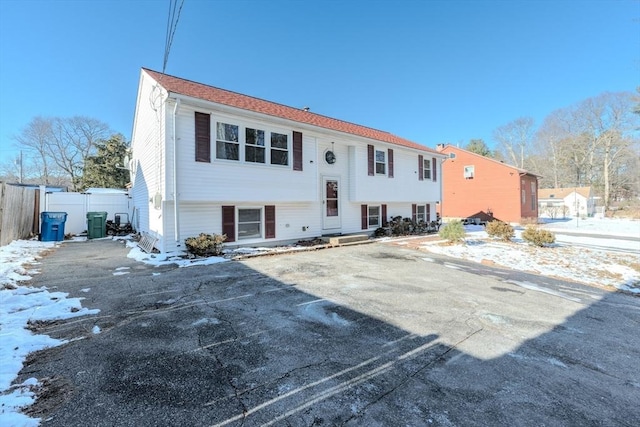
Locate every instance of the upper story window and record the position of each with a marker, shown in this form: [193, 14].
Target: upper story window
[469, 172]
[426, 169]
[279, 149]
[227, 143]
[254, 145]
[381, 162]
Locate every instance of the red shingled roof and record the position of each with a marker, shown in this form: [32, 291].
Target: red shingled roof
[233, 99]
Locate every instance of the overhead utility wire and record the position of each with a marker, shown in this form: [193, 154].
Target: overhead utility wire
[172, 24]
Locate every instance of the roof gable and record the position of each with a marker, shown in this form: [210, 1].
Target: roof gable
[450, 148]
[221, 96]
[561, 193]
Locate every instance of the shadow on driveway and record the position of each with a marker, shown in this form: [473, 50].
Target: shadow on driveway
[358, 336]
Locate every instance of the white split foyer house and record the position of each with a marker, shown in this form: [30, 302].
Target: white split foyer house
[207, 160]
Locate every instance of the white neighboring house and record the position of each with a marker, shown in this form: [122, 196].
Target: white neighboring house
[566, 202]
[208, 160]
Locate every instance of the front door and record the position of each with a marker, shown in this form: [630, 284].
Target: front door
[331, 203]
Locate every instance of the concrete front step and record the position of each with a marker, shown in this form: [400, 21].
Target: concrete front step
[343, 240]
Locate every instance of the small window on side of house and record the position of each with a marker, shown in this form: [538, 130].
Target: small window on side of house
[421, 213]
[426, 169]
[469, 172]
[381, 162]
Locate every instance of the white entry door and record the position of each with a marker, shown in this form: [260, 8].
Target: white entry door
[331, 203]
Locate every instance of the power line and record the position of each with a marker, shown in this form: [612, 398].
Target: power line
[172, 24]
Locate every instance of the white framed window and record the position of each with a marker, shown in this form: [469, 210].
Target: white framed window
[421, 213]
[227, 143]
[279, 149]
[524, 196]
[254, 148]
[381, 162]
[249, 223]
[426, 169]
[374, 216]
[469, 172]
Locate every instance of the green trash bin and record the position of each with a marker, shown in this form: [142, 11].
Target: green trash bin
[96, 225]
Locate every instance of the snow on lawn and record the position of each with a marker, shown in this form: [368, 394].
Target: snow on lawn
[21, 305]
[606, 262]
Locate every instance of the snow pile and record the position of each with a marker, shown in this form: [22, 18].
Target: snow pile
[607, 262]
[178, 258]
[20, 307]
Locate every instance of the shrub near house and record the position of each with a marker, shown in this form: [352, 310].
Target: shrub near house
[453, 231]
[500, 230]
[538, 236]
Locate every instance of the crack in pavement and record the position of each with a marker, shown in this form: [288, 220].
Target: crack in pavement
[440, 358]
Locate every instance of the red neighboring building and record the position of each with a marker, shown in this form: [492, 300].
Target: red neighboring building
[473, 184]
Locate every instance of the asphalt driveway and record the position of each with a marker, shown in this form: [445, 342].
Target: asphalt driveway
[370, 335]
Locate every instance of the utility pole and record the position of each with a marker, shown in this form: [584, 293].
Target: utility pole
[18, 162]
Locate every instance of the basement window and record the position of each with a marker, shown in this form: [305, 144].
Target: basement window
[374, 216]
[249, 224]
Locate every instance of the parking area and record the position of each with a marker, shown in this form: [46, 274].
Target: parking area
[367, 335]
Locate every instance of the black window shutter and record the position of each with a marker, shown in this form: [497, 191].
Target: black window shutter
[203, 137]
[428, 212]
[370, 164]
[384, 216]
[414, 210]
[270, 222]
[364, 217]
[229, 222]
[420, 168]
[433, 169]
[297, 151]
[390, 163]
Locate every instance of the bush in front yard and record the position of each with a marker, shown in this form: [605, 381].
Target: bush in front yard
[453, 231]
[500, 230]
[205, 244]
[538, 236]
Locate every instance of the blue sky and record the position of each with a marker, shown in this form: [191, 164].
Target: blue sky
[429, 71]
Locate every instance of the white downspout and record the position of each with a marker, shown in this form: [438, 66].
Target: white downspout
[176, 210]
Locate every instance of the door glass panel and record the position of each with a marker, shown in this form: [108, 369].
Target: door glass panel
[332, 208]
[332, 198]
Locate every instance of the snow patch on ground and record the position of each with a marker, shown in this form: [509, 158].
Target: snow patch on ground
[608, 262]
[22, 306]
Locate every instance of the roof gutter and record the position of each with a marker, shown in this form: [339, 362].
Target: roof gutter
[330, 133]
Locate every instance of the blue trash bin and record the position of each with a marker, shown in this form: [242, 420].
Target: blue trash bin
[52, 226]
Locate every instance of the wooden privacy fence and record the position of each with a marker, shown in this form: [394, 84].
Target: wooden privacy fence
[19, 210]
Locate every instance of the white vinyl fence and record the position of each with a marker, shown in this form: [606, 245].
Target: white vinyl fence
[76, 205]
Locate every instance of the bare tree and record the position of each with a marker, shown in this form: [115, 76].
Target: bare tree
[56, 149]
[35, 139]
[515, 139]
[608, 123]
[550, 148]
[72, 141]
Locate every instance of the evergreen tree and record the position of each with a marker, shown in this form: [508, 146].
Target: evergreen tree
[478, 146]
[106, 168]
